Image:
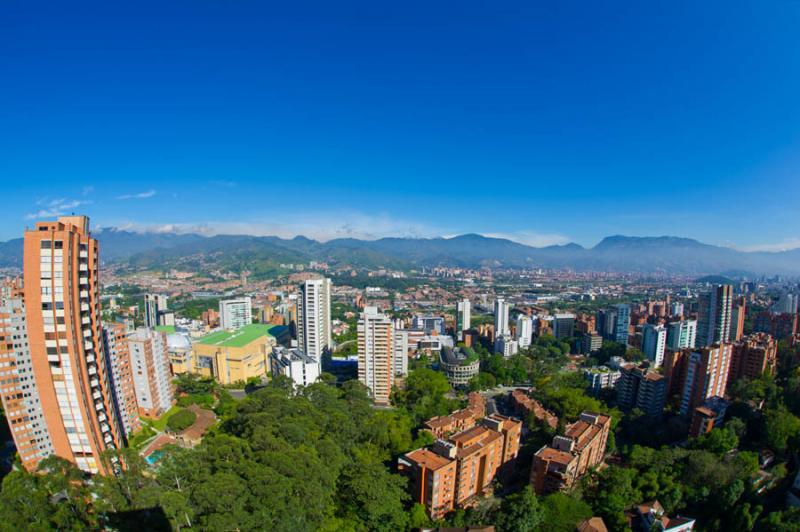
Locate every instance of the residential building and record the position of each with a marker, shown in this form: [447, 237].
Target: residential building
[524, 332]
[564, 325]
[558, 466]
[239, 355]
[600, 377]
[654, 343]
[314, 319]
[591, 343]
[376, 354]
[430, 325]
[460, 420]
[506, 346]
[118, 359]
[638, 387]
[676, 309]
[463, 318]
[753, 356]
[738, 314]
[452, 472]
[235, 313]
[707, 416]
[459, 365]
[295, 364]
[524, 406]
[67, 383]
[706, 375]
[787, 303]
[154, 304]
[614, 323]
[433, 480]
[651, 516]
[714, 316]
[779, 326]
[501, 325]
[682, 334]
[152, 378]
[400, 360]
[19, 388]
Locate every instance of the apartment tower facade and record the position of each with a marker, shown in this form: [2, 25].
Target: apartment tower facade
[376, 353]
[62, 314]
[314, 318]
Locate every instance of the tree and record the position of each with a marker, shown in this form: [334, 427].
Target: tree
[719, 441]
[520, 512]
[180, 420]
[781, 428]
[563, 512]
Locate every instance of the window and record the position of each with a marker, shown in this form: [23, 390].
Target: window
[45, 244]
[58, 244]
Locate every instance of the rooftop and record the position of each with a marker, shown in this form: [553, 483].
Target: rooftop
[169, 329]
[428, 459]
[241, 337]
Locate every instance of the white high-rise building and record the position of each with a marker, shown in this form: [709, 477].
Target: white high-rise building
[376, 349]
[400, 361]
[654, 343]
[152, 378]
[501, 309]
[524, 330]
[463, 318]
[682, 334]
[154, 304]
[235, 313]
[314, 318]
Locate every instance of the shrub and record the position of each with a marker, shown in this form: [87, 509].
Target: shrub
[180, 420]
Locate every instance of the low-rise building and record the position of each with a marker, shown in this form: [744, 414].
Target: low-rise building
[459, 364]
[295, 364]
[236, 356]
[651, 516]
[558, 466]
[600, 377]
[525, 405]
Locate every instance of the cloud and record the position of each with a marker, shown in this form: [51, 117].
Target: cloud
[50, 208]
[321, 226]
[532, 238]
[141, 195]
[332, 225]
[791, 243]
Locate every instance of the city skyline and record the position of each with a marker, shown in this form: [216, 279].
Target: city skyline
[650, 123]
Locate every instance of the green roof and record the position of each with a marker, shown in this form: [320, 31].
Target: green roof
[241, 337]
[169, 329]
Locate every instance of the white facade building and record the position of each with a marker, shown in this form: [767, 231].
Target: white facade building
[152, 378]
[295, 364]
[524, 330]
[506, 346]
[501, 309]
[154, 304]
[235, 313]
[682, 334]
[314, 318]
[654, 343]
[463, 318]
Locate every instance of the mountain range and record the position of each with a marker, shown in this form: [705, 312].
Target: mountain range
[665, 254]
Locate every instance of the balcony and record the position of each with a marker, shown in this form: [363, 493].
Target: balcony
[84, 294]
[94, 383]
[85, 307]
[99, 406]
[83, 281]
[84, 254]
[83, 267]
[97, 395]
[88, 345]
[86, 320]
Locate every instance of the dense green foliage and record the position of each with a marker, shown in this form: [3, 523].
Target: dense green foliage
[316, 460]
[180, 420]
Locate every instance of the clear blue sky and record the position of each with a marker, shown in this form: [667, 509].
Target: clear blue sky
[543, 121]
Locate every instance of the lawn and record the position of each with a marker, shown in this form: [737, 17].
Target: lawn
[160, 424]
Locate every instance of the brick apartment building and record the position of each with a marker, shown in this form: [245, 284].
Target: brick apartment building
[557, 466]
[452, 472]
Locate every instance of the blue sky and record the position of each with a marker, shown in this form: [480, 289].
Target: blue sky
[546, 122]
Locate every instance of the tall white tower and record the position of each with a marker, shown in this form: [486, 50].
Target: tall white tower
[314, 318]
